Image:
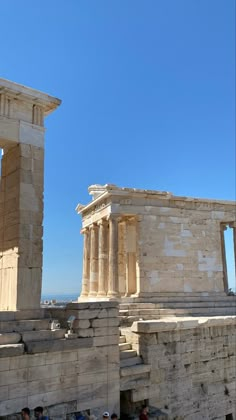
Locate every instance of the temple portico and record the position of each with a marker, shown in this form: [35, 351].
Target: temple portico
[109, 255]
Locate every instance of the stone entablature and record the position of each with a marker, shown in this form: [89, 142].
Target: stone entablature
[153, 242]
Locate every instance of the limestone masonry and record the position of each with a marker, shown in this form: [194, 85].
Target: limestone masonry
[155, 322]
[142, 243]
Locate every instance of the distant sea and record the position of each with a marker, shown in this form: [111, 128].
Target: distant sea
[60, 297]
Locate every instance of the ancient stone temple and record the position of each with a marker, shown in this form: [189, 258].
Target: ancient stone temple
[143, 244]
[154, 324]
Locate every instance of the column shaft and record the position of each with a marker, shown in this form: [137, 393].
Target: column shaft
[102, 257]
[86, 263]
[122, 258]
[113, 257]
[131, 256]
[93, 261]
[225, 274]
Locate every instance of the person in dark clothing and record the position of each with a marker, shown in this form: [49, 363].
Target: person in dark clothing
[114, 416]
[144, 413]
[25, 413]
[38, 414]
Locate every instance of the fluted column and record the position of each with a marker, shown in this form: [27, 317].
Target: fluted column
[93, 260]
[86, 263]
[102, 257]
[122, 257]
[131, 256]
[225, 274]
[233, 226]
[113, 257]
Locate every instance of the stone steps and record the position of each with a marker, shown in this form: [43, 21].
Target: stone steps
[135, 370]
[157, 313]
[126, 354]
[131, 361]
[180, 304]
[134, 374]
[132, 312]
[178, 298]
[125, 346]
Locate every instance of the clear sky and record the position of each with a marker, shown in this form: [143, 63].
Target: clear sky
[147, 89]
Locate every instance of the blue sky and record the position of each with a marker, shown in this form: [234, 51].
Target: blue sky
[147, 91]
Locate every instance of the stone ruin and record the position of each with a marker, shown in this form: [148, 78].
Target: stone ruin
[154, 323]
[140, 245]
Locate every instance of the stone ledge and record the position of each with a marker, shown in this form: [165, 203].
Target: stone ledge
[10, 350]
[9, 338]
[174, 323]
[135, 370]
[43, 335]
[33, 347]
[28, 314]
[92, 305]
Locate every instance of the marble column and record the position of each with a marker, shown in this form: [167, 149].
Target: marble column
[225, 274]
[93, 289]
[122, 257]
[102, 257]
[131, 256]
[233, 226]
[86, 263]
[113, 257]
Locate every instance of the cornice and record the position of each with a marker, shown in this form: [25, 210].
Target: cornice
[17, 91]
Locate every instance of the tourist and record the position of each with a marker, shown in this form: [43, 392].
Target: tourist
[106, 415]
[25, 413]
[38, 414]
[144, 413]
[114, 416]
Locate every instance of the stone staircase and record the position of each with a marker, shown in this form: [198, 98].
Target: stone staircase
[134, 374]
[177, 306]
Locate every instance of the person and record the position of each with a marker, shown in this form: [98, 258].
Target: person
[38, 414]
[114, 416]
[25, 413]
[144, 413]
[106, 415]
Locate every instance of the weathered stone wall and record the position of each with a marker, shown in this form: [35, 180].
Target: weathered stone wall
[180, 246]
[66, 375]
[193, 373]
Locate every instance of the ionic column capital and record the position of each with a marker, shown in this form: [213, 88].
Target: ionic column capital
[130, 219]
[93, 226]
[84, 230]
[114, 217]
[102, 222]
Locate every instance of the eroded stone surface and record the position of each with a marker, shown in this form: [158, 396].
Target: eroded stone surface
[157, 243]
